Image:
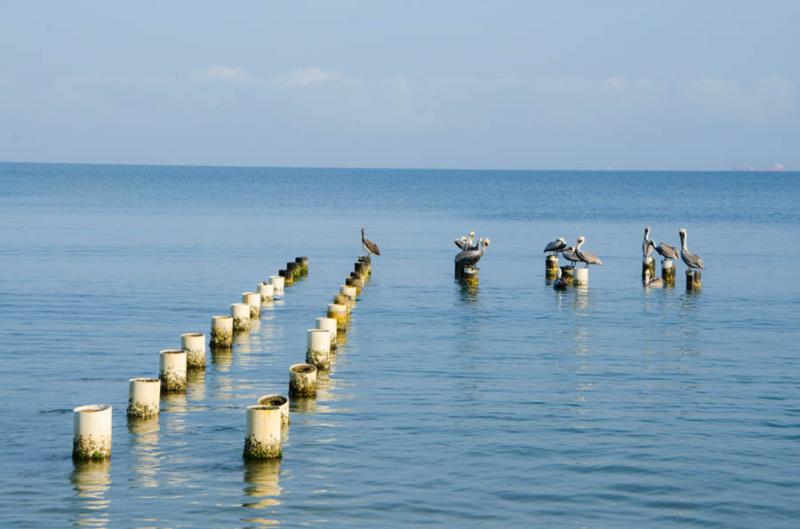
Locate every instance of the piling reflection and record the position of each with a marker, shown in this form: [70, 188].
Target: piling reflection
[468, 292]
[144, 450]
[222, 358]
[262, 484]
[91, 481]
[196, 384]
[302, 405]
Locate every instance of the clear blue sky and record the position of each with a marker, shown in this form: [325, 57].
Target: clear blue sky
[473, 84]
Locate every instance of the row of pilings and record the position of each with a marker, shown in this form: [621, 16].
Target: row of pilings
[92, 437]
[579, 277]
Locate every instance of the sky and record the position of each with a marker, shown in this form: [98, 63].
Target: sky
[639, 84]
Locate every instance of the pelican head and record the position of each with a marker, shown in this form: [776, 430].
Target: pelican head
[485, 242]
[362, 231]
[580, 242]
[561, 240]
[472, 235]
[646, 231]
[682, 233]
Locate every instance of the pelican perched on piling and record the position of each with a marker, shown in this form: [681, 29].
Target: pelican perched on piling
[652, 282]
[666, 251]
[556, 246]
[647, 244]
[370, 247]
[472, 256]
[466, 242]
[691, 260]
[569, 254]
[585, 257]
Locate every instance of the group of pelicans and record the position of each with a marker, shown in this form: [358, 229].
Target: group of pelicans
[575, 254]
[471, 252]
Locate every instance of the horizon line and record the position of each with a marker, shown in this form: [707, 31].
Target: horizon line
[383, 168]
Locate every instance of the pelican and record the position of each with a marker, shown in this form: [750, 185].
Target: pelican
[560, 283]
[369, 246]
[471, 257]
[556, 246]
[666, 251]
[569, 255]
[466, 243]
[585, 257]
[651, 282]
[691, 260]
[647, 244]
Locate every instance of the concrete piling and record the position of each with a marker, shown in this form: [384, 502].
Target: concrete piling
[92, 432]
[278, 284]
[263, 439]
[668, 272]
[266, 291]
[144, 397]
[567, 274]
[194, 343]
[221, 331]
[329, 324]
[253, 300]
[241, 317]
[339, 313]
[581, 277]
[470, 276]
[694, 280]
[302, 381]
[551, 267]
[172, 370]
[318, 349]
[281, 402]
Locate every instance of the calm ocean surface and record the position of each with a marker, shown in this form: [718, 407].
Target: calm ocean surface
[510, 406]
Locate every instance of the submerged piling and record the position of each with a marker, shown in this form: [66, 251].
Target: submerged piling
[302, 381]
[241, 317]
[92, 432]
[144, 397]
[318, 349]
[221, 331]
[551, 267]
[263, 440]
[668, 272]
[172, 370]
[281, 402]
[194, 343]
[694, 280]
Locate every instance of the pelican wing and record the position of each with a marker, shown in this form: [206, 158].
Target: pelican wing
[692, 260]
[666, 251]
[372, 247]
[588, 258]
[554, 246]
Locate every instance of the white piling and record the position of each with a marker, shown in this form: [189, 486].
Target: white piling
[339, 313]
[351, 293]
[278, 284]
[92, 433]
[241, 317]
[144, 397]
[253, 299]
[281, 402]
[302, 381]
[194, 343]
[329, 324]
[581, 278]
[222, 331]
[266, 291]
[172, 370]
[263, 439]
[318, 350]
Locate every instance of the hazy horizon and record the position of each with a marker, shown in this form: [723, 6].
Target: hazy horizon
[518, 85]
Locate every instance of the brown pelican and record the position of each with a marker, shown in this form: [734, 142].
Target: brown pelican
[369, 246]
[666, 251]
[691, 260]
[465, 242]
[569, 254]
[585, 257]
[652, 282]
[471, 257]
[647, 244]
[556, 246]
